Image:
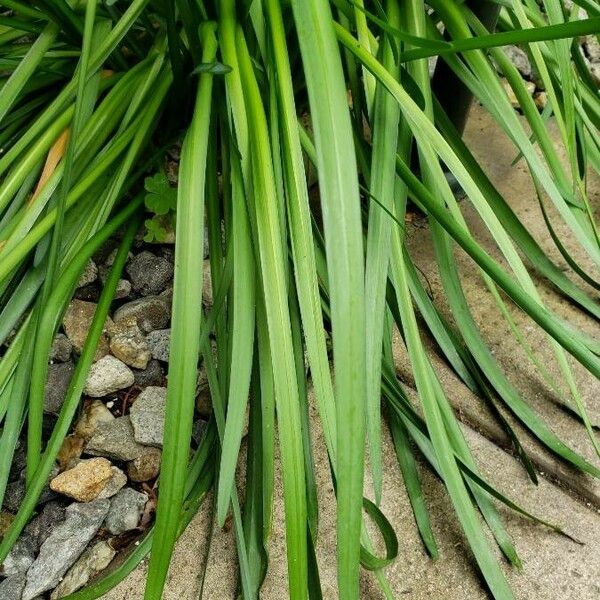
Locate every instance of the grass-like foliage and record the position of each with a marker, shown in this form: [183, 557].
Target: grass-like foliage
[267, 97]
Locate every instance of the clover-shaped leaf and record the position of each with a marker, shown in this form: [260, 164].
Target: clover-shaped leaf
[161, 197]
[154, 231]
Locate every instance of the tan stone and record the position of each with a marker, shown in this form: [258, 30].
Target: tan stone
[85, 481]
[77, 321]
[146, 466]
[128, 344]
[6, 520]
[95, 412]
[70, 452]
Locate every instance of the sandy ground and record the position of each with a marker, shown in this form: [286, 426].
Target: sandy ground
[554, 567]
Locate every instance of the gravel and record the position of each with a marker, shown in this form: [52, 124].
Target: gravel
[57, 383]
[159, 342]
[95, 559]
[147, 415]
[128, 344]
[61, 348]
[125, 511]
[148, 273]
[115, 440]
[108, 375]
[150, 313]
[85, 481]
[64, 546]
[76, 322]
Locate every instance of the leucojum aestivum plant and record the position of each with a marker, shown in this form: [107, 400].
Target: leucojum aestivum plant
[269, 98]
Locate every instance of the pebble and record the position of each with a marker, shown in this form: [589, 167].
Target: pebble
[595, 71]
[6, 520]
[117, 481]
[15, 492]
[61, 348]
[529, 85]
[203, 400]
[24, 551]
[128, 344]
[94, 413]
[520, 59]
[95, 559]
[85, 481]
[57, 383]
[541, 99]
[12, 587]
[146, 466]
[147, 415]
[89, 275]
[125, 511]
[207, 289]
[149, 274]
[123, 289]
[76, 322]
[592, 47]
[115, 440]
[88, 293]
[106, 376]
[153, 374]
[70, 452]
[198, 429]
[64, 546]
[151, 312]
[159, 342]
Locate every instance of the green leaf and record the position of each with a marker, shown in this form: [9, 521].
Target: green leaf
[155, 232]
[161, 197]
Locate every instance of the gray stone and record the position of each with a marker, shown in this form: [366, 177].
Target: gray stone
[95, 559]
[12, 587]
[89, 275]
[19, 461]
[146, 466]
[76, 322]
[128, 344]
[159, 342]
[20, 557]
[25, 549]
[125, 511]
[88, 293]
[114, 439]
[123, 289]
[150, 313]
[57, 383]
[520, 59]
[148, 273]
[15, 492]
[147, 415]
[64, 546]
[117, 482]
[106, 376]
[61, 348]
[206, 244]
[198, 430]
[153, 374]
